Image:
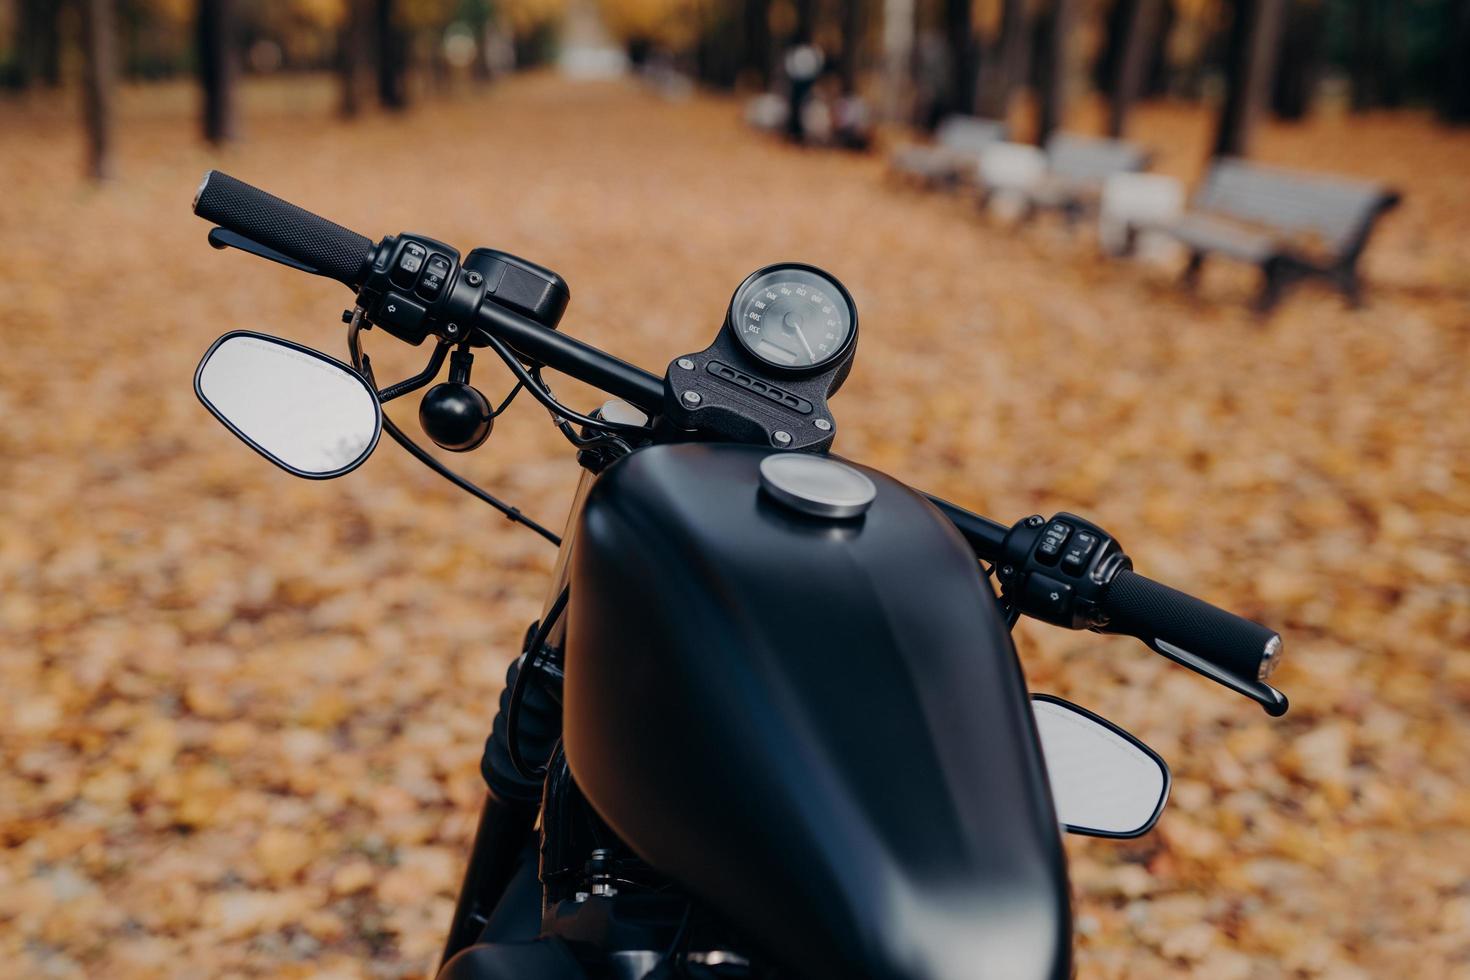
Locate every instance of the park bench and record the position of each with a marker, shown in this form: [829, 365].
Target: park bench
[1077, 167]
[954, 154]
[1292, 225]
[1067, 176]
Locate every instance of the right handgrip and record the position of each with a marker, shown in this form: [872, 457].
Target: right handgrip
[327, 247]
[1221, 645]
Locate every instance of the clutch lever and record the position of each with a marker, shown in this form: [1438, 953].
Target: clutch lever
[224, 238]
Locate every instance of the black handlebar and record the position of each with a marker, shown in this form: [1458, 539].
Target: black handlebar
[328, 248]
[1221, 645]
[1067, 571]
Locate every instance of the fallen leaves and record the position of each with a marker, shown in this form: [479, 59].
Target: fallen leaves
[242, 714]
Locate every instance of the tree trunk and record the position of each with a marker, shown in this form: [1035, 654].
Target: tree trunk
[218, 68]
[99, 76]
[38, 43]
[351, 57]
[1055, 69]
[898, 54]
[755, 54]
[1366, 56]
[852, 40]
[1300, 63]
[1454, 101]
[806, 21]
[1134, 50]
[960, 31]
[349, 62]
[392, 45]
[1008, 69]
[1249, 59]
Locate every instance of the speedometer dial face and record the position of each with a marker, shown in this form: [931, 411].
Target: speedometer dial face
[793, 317]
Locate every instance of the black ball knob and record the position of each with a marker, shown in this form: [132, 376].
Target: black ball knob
[456, 416]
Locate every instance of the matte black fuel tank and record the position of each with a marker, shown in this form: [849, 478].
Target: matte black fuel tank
[817, 726]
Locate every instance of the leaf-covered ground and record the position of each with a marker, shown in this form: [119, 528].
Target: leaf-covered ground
[240, 714]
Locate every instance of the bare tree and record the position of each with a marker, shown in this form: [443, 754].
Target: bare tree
[39, 42]
[218, 68]
[1454, 102]
[352, 57]
[1056, 67]
[1009, 69]
[1250, 57]
[99, 76]
[1139, 24]
[853, 12]
[392, 54]
[1299, 65]
[898, 54]
[756, 47]
[960, 31]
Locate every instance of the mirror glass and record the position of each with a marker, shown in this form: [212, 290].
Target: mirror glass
[301, 409]
[1104, 782]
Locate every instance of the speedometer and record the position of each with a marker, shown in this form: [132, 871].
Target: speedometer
[794, 317]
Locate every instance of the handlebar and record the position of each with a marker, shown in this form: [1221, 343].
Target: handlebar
[326, 247]
[1067, 571]
[1221, 645]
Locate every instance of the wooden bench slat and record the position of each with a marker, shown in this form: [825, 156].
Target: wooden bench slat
[1204, 232]
[1333, 208]
[956, 149]
[1090, 159]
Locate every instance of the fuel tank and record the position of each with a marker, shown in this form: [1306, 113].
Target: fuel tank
[816, 726]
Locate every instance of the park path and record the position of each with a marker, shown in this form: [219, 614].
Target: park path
[241, 713]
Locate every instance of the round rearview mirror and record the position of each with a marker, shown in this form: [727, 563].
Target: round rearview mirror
[1104, 782]
[302, 410]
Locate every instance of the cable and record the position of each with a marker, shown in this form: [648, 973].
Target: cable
[364, 366]
[542, 395]
[508, 399]
[518, 693]
[512, 514]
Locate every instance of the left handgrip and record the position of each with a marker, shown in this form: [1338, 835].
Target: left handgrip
[336, 252]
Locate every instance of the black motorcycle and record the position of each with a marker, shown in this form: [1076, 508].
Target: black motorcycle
[771, 723]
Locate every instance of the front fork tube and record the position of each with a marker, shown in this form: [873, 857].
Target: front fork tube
[500, 839]
[505, 826]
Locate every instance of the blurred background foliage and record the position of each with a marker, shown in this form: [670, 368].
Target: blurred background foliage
[917, 58]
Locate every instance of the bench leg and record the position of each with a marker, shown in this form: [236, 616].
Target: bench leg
[1275, 275]
[1192, 271]
[1352, 287]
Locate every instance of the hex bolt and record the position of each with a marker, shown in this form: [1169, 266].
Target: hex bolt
[692, 398]
[781, 438]
[686, 364]
[823, 424]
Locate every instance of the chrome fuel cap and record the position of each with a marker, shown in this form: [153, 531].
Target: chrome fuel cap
[816, 485]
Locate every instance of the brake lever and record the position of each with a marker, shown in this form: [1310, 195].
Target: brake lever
[1260, 692]
[222, 238]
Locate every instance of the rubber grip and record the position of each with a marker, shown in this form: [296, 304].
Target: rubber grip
[332, 250]
[1156, 614]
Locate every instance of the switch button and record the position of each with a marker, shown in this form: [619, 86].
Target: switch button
[410, 261]
[1079, 551]
[435, 273]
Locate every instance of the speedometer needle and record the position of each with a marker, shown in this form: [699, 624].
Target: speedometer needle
[802, 337]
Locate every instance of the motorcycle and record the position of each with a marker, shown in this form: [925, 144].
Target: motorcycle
[771, 723]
